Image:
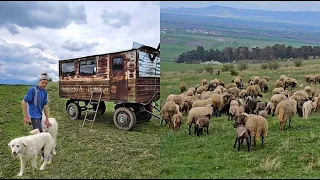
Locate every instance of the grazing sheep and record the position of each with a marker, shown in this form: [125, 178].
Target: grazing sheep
[290, 82]
[232, 112]
[241, 133]
[201, 89]
[219, 101]
[282, 77]
[309, 78]
[300, 95]
[187, 105]
[285, 111]
[169, 109]
[204, 82]
[196, 86]
[238, 82]
[190, 92]
[243, 94]
[266, 78]
[256, 125]
[234, 103]
[239, 110]
[213, 84]
[308, 90]
[263, 113]
[275, 99]
[202, 122]
[197, 112]
[175, 98]
[202, 103]
[230, 85]
[279, 83]
[299, 107]
[250, 106]
[183, 88]
[270, 107]
[277, 90]
[217, 91]
[316, 78]
[234, 91]
[306, 109]
[177, 120]
[254, 91]
[263, 85]
[256, 80]
[241, 102]
[260, 106]
[314, 106]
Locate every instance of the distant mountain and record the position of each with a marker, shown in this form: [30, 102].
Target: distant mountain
[301, 17]
[17, 81]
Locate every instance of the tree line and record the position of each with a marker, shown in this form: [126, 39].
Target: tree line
[229, 54]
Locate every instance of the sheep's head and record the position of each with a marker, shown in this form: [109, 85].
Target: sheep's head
[227, 98]
[241, 119]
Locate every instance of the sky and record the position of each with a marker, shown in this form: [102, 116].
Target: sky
[258, 5]
[34, 36]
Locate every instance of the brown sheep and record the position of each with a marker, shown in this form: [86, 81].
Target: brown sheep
[285, 111]
[241, 133]
[201, 89]
[263, 113]
[202, 122]
[256, 125]
[275, 99]
[263, 84]
[277, 90]
[309, 78]
[219, 102]
[230, 85]
[266, 78]
[197, 112]
[204, 82]
[256, 80]
[279, 83]
[169, 109]
[234, 91]
[282, 77]
[177, 120]
[316, 78]
[290, 82]
[183, 88]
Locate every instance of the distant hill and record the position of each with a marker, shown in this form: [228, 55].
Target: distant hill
[17, 81]
[301, 17]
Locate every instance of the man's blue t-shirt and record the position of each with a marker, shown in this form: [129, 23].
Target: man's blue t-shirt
[36, 99]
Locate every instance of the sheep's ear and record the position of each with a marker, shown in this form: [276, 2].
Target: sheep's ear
[10, 144]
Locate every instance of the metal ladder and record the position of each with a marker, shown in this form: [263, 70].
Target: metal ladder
[90, 110]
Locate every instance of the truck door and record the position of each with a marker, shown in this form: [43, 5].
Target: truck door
[118, 79]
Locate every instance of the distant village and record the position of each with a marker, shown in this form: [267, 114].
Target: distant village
[192, 31]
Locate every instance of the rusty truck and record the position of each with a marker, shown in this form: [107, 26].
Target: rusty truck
[130, 79]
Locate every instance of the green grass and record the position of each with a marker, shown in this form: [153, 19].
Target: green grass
[172, 45]
[293, 153]
[101, 152]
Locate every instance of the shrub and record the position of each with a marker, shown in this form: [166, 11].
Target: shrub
[297, 62]
[264, 66]
[209, 68]
[227, 67]
[199, 70]
[183, 71]
[242, 66]
[273, 65]
[234, 72]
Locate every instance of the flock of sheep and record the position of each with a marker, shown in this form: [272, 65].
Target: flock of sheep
[242, 105]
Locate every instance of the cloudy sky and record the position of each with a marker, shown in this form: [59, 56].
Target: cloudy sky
[259, 5]
[35, 35]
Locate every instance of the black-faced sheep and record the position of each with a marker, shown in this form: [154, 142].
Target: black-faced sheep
[250, 106]
[285, 111]
[306, 109]
[241, 133]
[177, 120]
[202, 122]
[256, 125]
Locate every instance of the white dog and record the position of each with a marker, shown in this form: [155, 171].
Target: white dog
[30, 146]
[53, 129]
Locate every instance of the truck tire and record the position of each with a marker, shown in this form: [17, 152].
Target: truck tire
[73, 111]
[124, 118]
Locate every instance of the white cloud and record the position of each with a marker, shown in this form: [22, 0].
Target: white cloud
[52, 31]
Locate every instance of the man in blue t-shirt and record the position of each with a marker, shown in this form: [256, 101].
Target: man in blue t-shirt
[36, 100]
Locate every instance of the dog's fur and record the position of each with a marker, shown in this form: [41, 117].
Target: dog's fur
[30, 147]
[53, 129]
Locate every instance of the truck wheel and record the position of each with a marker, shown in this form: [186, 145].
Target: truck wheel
[144, 116]
[124, 118]
[73, 111]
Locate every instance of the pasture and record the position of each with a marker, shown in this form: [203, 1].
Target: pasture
[82, 152]
[293, 153]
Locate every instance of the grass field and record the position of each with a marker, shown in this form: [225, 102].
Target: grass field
[101, 152]
[293, 153]
[172, 45]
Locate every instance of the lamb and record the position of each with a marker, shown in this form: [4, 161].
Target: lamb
[241, 133]
[275, 99]
[187, 105]
[234, 103]
[197, 112]
[263, 84]
[202, 122]
[285, 111]
[277, 90]
[266, 78]
[263, 113]
[299, 107]
[260, 106]
[232, 112]
[279, 83]
[306, 109]
[308, 90]
[250, 106]
[256, 125]
[177, 120]
[182, 88]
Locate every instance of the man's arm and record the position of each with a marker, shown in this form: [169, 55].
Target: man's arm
[25, 113]
[46, 113]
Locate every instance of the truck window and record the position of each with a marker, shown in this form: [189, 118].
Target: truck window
[88, 67]
[67, 69]
[117, 63]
